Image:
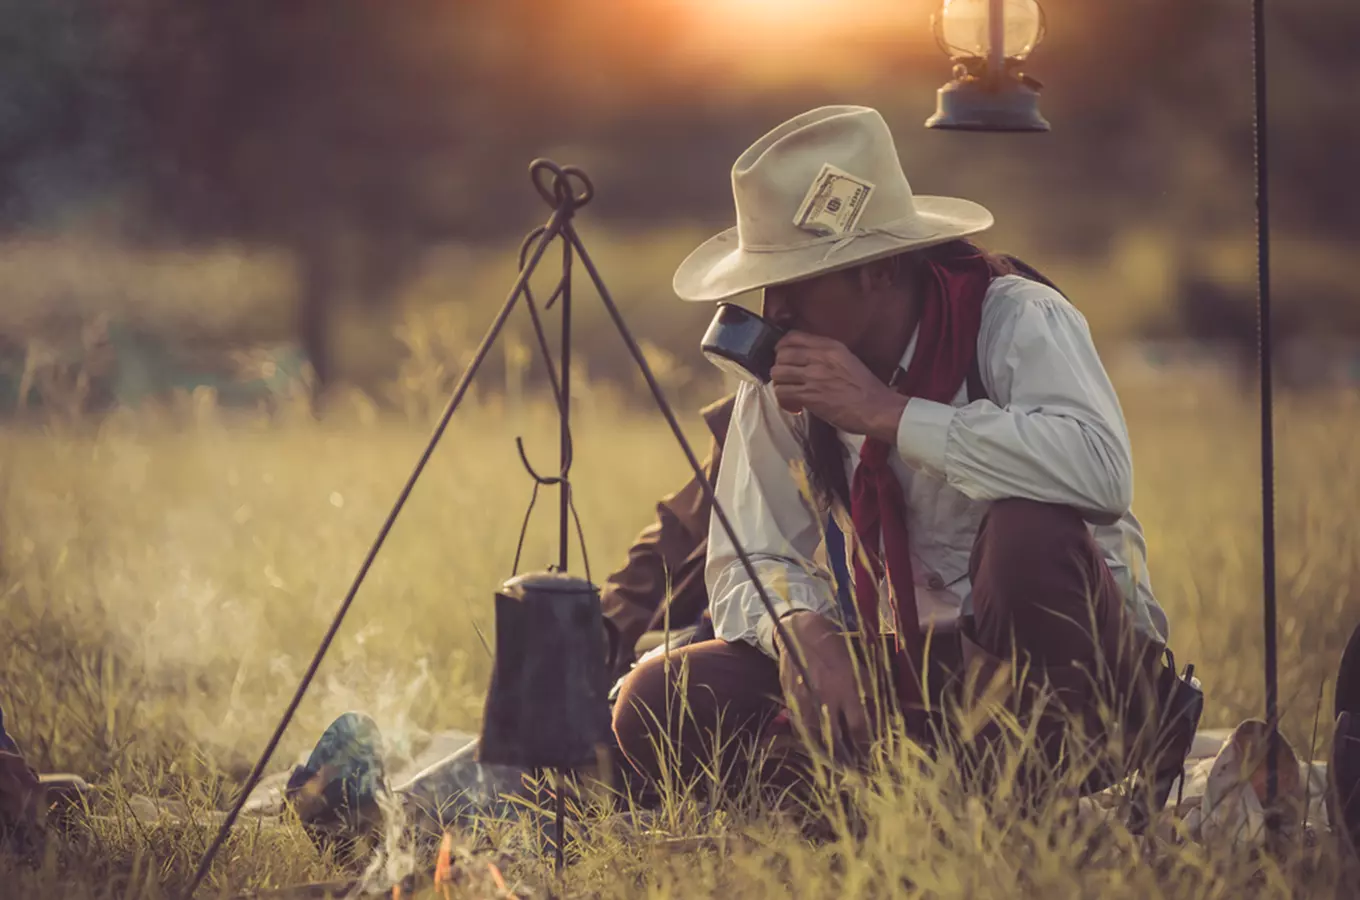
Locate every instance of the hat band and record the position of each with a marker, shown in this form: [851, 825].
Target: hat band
[837, 242]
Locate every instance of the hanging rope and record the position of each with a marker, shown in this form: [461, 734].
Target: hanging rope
[1258, 33]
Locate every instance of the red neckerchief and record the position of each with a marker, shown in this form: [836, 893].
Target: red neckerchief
[946, 346]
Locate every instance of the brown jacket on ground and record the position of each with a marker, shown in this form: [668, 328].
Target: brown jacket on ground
[666, 562]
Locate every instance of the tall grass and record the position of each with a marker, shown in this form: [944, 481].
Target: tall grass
[163, 585]
[165, 576]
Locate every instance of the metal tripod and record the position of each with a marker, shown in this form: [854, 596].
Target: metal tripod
[566, 189]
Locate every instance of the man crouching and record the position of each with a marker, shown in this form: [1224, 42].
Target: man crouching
[949, 407]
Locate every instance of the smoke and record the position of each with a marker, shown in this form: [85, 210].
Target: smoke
[218, 658]
[395, 858]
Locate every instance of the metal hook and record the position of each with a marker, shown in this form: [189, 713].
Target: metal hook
[540, 481]
[560, 175]
[560, 478]
[551, 367]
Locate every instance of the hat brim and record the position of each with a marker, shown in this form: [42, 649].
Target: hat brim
[720, 269]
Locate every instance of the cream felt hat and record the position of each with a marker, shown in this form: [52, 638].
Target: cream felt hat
[823, 191]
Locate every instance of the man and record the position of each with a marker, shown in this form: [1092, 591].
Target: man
[949, 407]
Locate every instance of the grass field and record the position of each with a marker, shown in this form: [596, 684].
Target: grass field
[164, 584]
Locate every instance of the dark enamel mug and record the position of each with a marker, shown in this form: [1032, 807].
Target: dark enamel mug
[741, 343]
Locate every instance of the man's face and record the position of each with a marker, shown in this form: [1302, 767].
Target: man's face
[839, 305]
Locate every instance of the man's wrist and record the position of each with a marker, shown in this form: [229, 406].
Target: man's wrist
[887, 416]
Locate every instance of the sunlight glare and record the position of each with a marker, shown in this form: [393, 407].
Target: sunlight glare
[776, 15]
[786, 41]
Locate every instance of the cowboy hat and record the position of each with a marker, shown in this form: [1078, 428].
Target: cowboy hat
[823, 191]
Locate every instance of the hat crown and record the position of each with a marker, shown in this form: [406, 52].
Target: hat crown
[776, 175]
[821, 192]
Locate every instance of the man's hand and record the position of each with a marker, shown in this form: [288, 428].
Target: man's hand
[832, 669]
[822, 376]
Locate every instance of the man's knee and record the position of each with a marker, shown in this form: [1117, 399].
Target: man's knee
[702, 689]
[639, 708]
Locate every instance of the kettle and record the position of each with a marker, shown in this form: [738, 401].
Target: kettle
[547, 706]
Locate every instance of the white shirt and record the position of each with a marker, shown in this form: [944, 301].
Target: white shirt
[1053, 431]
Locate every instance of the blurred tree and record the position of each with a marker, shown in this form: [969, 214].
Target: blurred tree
[358, 133]
[324, 127]
[61, 132]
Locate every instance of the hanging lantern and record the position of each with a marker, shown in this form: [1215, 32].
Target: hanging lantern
[988, 41]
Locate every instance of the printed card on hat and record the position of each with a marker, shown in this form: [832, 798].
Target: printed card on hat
[834, 203]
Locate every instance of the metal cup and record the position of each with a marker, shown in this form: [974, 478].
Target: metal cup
[741, 343]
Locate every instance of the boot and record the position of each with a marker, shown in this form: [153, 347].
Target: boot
[1179, 703]
[335, 793]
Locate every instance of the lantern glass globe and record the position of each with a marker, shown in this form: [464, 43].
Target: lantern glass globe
[963, 28]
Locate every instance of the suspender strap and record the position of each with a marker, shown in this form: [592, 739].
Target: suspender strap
[1030, 272]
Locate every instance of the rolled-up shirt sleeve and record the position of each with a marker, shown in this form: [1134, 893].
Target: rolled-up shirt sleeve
[762, 489]
[1052, 431]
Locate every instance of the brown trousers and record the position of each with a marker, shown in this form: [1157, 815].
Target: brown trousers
[1044, 601]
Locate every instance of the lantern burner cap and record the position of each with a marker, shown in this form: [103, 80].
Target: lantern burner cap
[974, 104]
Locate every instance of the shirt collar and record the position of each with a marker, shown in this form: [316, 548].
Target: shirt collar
[906, 356]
